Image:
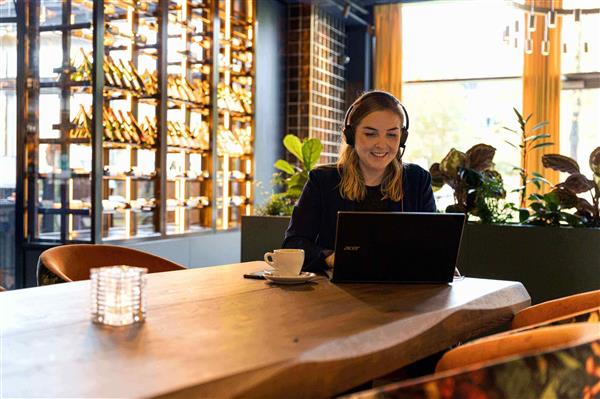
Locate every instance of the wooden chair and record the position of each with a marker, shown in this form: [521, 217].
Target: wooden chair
[73, 262]
[556, 309]
[523, 343]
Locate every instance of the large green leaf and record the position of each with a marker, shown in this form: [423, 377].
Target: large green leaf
[296, 182]
[311, 152]
[595, 161]
[452, 162]
[293, 145]
[284, 166]
[560, 163]
[479, 157]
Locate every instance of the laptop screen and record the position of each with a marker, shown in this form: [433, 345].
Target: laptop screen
[397, 247]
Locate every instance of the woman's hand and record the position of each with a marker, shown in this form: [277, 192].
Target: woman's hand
[329, 260]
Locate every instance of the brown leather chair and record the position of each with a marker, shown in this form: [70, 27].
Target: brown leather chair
[2, 288]
[556, 309]
[73, 262]
[523, 343]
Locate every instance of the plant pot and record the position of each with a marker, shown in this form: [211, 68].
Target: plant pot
[551, 262]
[261, 234]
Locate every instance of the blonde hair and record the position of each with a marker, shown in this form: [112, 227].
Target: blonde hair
[352, 185]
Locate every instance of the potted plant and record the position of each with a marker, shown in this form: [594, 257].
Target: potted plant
[546, 252]
[264, 231]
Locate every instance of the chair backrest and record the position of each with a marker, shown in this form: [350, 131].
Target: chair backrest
[524, 343]
[556, 308]
[567, 372]
[73, 262]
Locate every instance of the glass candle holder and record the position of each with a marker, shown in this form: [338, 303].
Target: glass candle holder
[118, 295]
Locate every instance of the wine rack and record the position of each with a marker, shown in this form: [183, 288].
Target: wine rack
[235, 104]
[141, 118]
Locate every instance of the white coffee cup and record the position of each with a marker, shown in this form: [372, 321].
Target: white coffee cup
[286, 262]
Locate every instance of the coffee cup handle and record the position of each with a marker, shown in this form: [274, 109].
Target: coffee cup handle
[267, 256]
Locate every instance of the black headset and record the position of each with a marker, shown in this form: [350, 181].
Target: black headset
[349, 130]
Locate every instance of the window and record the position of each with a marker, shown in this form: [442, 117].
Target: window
[461, 82]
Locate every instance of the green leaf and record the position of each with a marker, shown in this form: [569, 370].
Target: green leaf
[568, 360]
[550, 390]
[311, 152]
[572, 220]
[296, 182]
[284, 166]
[536, 197]
[540, 145]
[523, 215]
[519, 117]
[539, 125]
[510, 144]
[510, 130]
[537, 206]
[293, 145]
[537, 137]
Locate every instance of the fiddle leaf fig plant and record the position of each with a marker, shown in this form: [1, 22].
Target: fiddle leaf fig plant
[292, 176]
[577, 184]
[476, 185]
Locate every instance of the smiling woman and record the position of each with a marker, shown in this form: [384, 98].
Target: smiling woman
[369, 176]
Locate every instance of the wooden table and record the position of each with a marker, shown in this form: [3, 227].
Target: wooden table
[209, 332]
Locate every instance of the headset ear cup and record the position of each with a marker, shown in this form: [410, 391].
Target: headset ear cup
[349, 134]
[403, 137]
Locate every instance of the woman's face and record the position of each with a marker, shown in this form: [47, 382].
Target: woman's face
[377, 140]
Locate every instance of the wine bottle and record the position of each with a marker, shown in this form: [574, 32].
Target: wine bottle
[136, 75]
[133, 82]
[113, 72]
[130, 128]
[108, 127]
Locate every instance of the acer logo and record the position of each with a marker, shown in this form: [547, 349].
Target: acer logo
[351, 248]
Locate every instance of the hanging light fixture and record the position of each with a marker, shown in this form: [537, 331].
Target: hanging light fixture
[551, 14]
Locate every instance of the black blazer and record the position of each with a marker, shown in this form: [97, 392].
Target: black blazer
[314, 218]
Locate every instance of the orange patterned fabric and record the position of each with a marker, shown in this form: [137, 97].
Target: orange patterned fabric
[572, 372]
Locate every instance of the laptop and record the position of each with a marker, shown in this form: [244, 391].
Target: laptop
[397, 247]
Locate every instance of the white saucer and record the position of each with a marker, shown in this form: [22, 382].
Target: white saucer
[304, 277]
